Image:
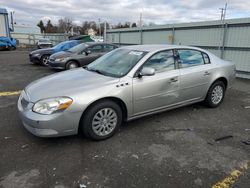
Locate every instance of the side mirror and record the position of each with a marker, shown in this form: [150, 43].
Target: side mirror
[88, 52]
[147, 71]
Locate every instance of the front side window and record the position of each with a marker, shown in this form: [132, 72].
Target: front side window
[161, 61]
[95, 49]
[78, 48]
[190, 58]
[108, 48]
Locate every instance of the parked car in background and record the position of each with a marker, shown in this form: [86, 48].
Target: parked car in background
[41, 56]
[79, 55]
[127, 83]
[7, 43]
[44, 43]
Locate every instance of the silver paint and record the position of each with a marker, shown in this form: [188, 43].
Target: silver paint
[140, 95]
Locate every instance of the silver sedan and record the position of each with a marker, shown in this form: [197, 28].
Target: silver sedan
[125, 84]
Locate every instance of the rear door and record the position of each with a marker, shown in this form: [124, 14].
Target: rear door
[195, 74]
[160, 90]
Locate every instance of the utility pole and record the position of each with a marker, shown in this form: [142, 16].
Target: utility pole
[224, 30]
[223, 13]
[100, 27]
[105, 32]
[140, 27]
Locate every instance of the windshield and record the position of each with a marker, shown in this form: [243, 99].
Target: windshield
[61, 44]
[116, 63]
[44, 40]
[78, 48]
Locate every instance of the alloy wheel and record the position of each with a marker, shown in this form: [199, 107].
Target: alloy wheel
[45, 60]
[104, 121]
[217, 94]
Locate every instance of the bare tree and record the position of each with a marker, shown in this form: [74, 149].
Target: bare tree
[65, 25]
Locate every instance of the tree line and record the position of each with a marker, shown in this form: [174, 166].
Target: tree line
[65, 25]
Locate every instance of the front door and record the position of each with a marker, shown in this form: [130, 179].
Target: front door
[96, 51]
[160, 90]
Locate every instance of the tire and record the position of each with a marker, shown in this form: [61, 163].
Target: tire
[97, 127]
[10, 48]
[44, 60]
[215, 94]
[71, 65]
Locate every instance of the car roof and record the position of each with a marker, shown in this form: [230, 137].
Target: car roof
[155, 47]
[93, 43]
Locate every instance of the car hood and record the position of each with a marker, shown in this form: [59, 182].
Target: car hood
[67, 83]
[43, 51]
[61, 55]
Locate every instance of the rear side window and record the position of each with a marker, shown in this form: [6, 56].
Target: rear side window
[190, 58]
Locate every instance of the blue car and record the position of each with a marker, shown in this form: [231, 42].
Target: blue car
[7, 43]
[41, 56]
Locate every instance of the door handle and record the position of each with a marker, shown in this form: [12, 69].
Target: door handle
[206, 73]
[175, 79]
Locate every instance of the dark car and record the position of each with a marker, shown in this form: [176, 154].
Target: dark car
[41, 56]
[79, 55]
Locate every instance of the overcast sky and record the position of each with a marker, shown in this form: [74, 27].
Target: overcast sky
[114, 11]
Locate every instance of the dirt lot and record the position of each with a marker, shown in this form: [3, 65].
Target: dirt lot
[171, 149]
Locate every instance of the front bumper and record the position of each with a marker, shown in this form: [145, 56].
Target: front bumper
[34, 59]
[56, 65]
[54, 125]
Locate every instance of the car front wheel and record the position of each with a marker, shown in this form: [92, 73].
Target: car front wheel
[45, 60]
[71, 65]
[215, 94]
[102, 120]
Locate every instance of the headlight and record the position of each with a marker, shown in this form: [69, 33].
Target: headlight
[36, 55]
[60, 59]
[52, 105]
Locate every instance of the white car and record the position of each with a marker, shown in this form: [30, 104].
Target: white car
[44, 43]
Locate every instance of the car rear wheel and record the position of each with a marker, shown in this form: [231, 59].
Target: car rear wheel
[102, 120]
[71, 65]
[215, 94]
[45, 60]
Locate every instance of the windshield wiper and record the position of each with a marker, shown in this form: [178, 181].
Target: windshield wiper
[95, 70]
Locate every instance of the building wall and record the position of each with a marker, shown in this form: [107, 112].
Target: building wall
[4, 25]
[229, 40]
[32, 39]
